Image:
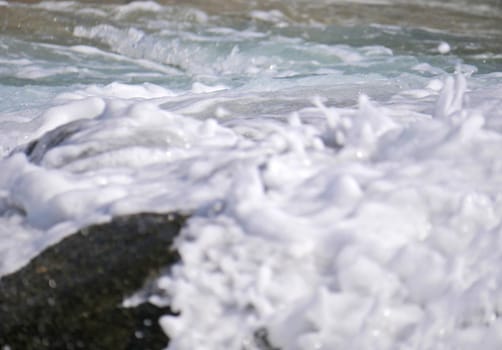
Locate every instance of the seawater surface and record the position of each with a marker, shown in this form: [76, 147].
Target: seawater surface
[340, 159]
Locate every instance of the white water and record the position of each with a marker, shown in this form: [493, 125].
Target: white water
[346, 193]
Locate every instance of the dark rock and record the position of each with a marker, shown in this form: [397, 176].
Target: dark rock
[69, 297]
[37, 149]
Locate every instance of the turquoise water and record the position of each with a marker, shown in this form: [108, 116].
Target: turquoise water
[173, 45]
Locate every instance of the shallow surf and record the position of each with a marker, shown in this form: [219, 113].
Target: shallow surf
[341, 160]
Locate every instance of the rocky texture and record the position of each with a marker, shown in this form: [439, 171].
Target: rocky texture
[70, 296]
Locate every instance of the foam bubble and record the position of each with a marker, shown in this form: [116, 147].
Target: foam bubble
[444, 48]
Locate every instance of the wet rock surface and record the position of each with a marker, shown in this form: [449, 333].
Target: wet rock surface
[70, 296]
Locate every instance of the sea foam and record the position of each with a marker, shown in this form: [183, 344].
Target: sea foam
[343, 181]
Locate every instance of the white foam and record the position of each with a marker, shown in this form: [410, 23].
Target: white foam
[34, 72]
[137, 6]
[198, 88]
[273, 16]
[289, 235]
[444, 48]
[120, 91]
[451, 98]
[389, 237]
[366, 218]
[65, 113]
